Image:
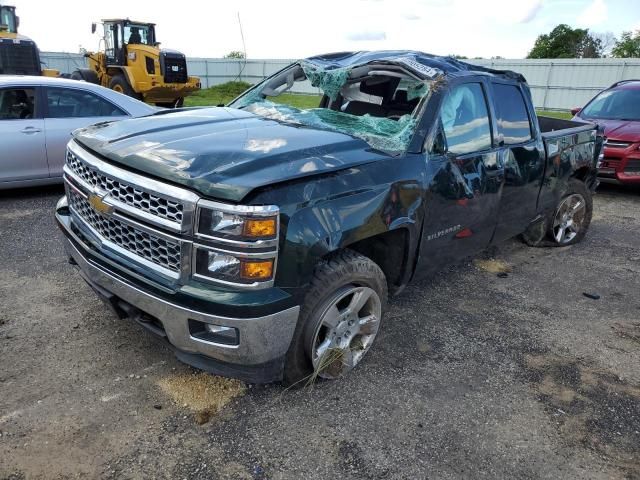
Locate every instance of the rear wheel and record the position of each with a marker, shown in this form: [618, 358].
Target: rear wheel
[339, 319]
[85, 74]
[120, 84]
[570, 220]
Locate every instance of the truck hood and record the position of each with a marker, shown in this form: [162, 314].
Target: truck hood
[223, 152]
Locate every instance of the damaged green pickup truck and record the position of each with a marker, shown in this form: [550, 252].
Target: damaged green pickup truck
[262, 240]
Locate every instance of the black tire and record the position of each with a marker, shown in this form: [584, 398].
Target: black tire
[346, 268]
[178, 103]
[542, 234]
[85, 74]
[120, 84]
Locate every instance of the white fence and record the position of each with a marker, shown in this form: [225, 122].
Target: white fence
[560, 84]
[557, 84]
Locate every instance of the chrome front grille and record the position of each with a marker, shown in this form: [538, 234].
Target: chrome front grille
[127, 194]
[159, 251]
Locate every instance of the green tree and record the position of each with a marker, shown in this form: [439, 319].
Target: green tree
[628, 46]
[235, 54]
[566, 42]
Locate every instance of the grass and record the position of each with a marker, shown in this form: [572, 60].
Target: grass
[217, 95]
[549, 113]
[225, 92]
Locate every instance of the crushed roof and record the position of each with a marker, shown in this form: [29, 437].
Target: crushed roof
[446, 65]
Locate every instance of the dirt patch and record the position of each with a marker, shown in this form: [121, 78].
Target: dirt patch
[591, 407]
[202, 393]
[17, 215]
[628, 331]
[493, 265]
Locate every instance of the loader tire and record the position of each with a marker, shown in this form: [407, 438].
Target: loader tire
[85, 74]
[120, 84]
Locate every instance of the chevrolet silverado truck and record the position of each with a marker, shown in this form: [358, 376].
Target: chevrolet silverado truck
[262, 240]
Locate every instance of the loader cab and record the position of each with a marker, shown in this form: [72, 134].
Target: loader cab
[119, 34]
[8, 21]
[18, 55]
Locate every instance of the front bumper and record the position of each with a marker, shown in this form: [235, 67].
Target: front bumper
[621, 165]
[263, 341]
[159, 91]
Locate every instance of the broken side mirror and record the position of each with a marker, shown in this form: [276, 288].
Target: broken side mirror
[575, 110]
[93, 27]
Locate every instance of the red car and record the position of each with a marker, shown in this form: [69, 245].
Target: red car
[617, 110]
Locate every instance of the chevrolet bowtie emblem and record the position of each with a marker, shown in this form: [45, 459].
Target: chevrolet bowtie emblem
[99, 204]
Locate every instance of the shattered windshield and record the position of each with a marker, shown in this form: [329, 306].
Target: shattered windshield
[377, 103]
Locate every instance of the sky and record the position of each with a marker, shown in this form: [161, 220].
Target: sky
[291, 29]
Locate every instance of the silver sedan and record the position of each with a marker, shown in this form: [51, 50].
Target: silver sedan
[37, 116]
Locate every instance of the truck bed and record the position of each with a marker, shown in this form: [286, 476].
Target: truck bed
[569, 146]
[557, 127]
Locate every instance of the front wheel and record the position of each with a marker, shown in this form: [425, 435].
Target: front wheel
[339, 319]
[120, 84]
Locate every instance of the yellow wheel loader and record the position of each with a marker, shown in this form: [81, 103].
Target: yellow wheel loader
[19, 55]
[132, 63]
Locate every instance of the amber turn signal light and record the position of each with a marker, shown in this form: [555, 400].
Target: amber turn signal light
[260, 227]
[262, 270]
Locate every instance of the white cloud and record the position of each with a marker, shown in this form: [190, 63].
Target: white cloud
[533, 11]
[595, 14]
[279, 29]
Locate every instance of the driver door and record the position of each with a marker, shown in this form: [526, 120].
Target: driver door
[114, 48]
[466, 179]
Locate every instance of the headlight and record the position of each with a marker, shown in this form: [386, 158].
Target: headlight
[241, 244]
[238, 268]
[240, 223]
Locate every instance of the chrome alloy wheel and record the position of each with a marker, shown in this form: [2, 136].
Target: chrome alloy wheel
[345, 332]
[569, 218]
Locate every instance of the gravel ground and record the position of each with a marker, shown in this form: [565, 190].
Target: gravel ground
[472, 376]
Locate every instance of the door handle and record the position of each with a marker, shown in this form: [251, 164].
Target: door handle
[30, 130]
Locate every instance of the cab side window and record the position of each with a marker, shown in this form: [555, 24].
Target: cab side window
[513, 120]
[465, 119]
[17, 103]
[71, 103]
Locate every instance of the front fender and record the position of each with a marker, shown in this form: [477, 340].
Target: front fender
[126, 71]
[317, 230]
